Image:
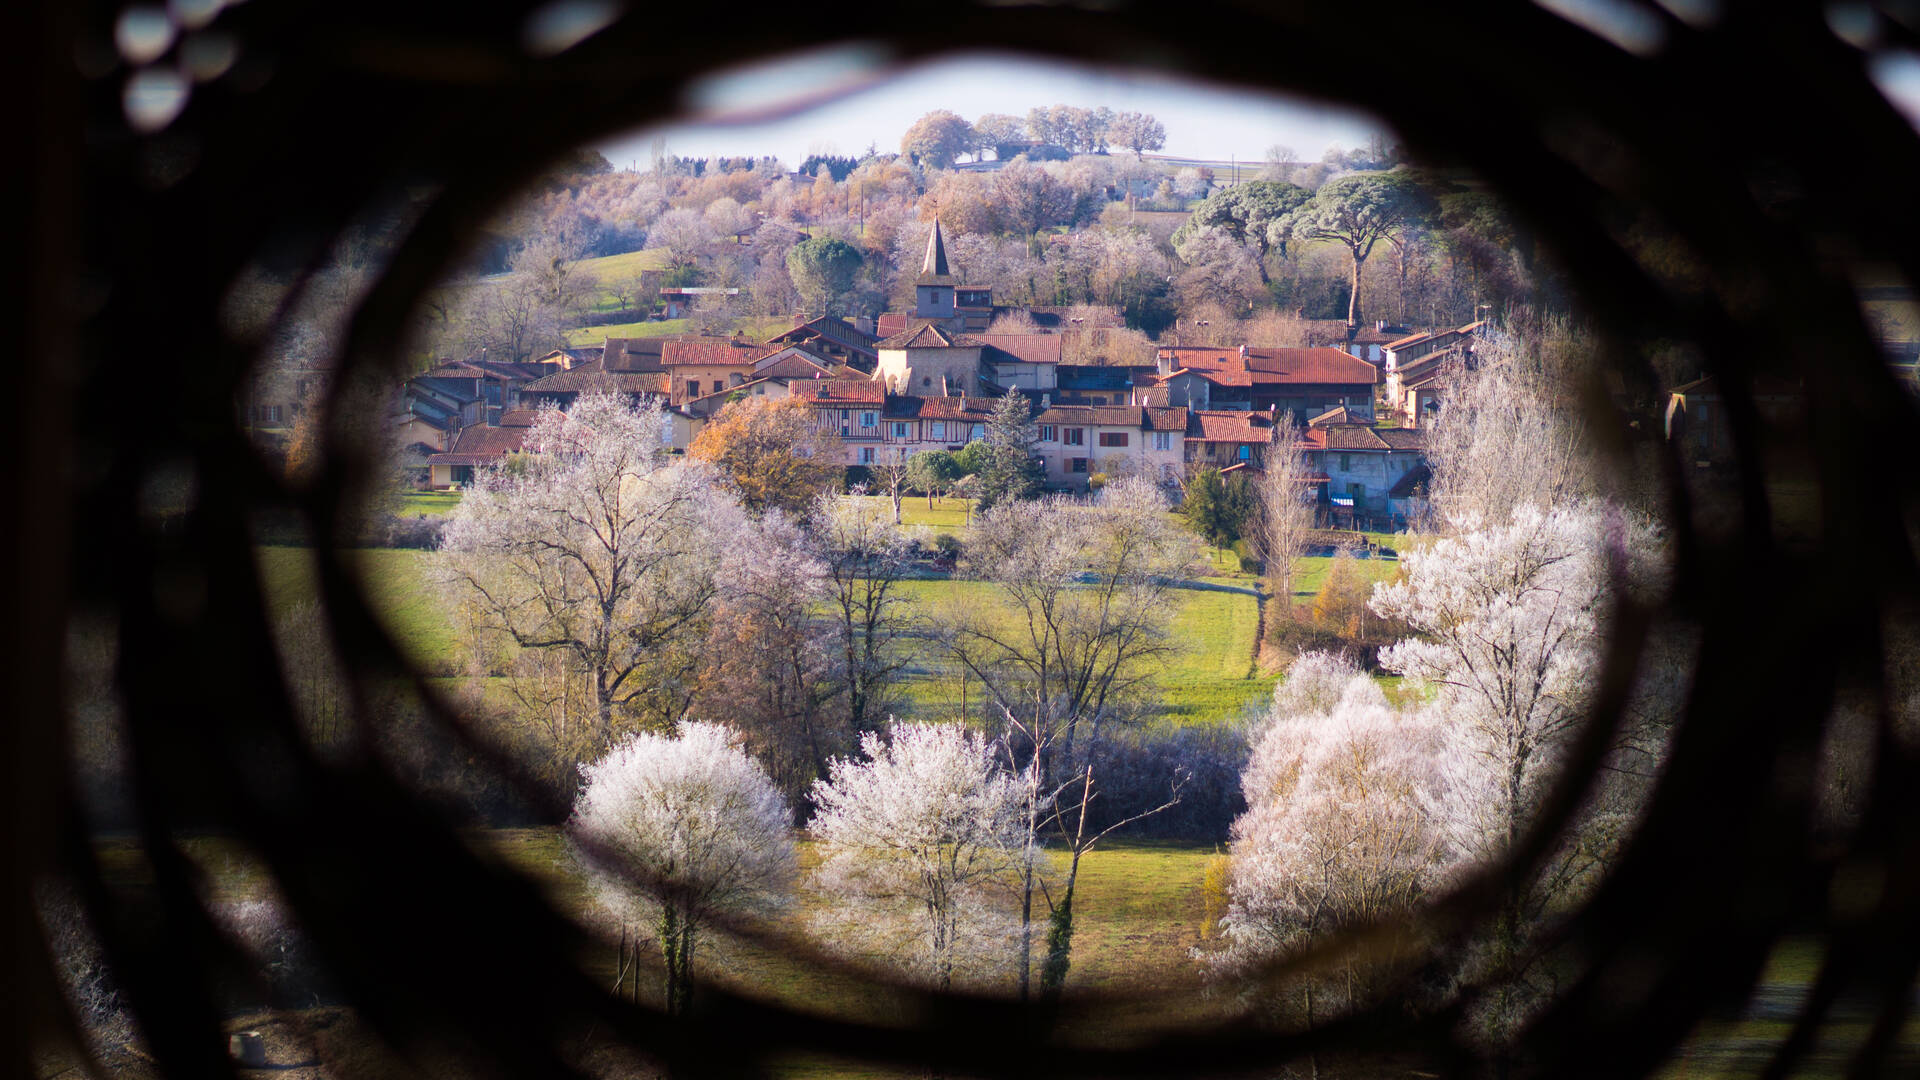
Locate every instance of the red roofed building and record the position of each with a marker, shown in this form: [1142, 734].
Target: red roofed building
[1305, 382]
[1077, 441]
[477, 447]
[1219, 439]
[1375, 476]
[702, 366]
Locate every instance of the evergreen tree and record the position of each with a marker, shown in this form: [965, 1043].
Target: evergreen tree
[1010, 471]
[1217, 507]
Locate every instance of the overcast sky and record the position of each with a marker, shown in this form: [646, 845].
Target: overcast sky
[1201, 121]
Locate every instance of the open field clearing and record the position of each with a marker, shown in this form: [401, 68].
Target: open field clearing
[1209, 677]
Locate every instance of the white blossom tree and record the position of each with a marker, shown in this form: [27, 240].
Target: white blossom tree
[1508, 433]
[920, 845]
[673, 831]
[1509, 621]
[1337, 832]
[595, 544]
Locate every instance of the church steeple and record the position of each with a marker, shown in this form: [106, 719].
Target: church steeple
[933, 269]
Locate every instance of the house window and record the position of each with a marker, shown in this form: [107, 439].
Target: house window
[866, 455]
[1163, 440]
[869, 419]
[926, 380]
[1702, 410]
[1246, 452]
[1046, 432]
[1113, 438]
[979, 432]
[1076, 436]
[1078, 464]
[693, 388]
[899, 431]
[1346, 462]
[718, 385]
[939, 430]
[1358, 491]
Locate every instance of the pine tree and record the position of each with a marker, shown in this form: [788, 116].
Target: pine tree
[1011, 472]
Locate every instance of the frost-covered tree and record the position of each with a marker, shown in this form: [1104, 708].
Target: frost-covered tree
[1509, 433]
[1337, 831]
[919, 845]
[594, 543]
[867, 557]
[1509, 621]
[674, 831]
[1091, 589]
[1283, 512]
[770, 670]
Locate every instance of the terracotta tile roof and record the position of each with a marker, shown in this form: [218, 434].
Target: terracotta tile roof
[829, 327]
[1227, 367]
[794, 366]
[481, 445]
[1104, 415]
[1402, 438]
[840, 391]
[518, 418]
[634, 354]
[1022, 348]
[589, 377]
[709, 351]
[1339, 414]
[1352, 437]
[891, 322]
[968, 409]
[927, 336]
[1209, 425]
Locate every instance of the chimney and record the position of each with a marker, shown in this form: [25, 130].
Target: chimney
[1243, 352]
[1380, 327]
[1163, 362]
[1046, 401]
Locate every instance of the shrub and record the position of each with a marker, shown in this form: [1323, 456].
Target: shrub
[1248, 563]
[1134, 767]
[1097, 481]
[947, 544]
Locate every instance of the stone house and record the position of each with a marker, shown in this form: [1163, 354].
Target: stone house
[1077, 441]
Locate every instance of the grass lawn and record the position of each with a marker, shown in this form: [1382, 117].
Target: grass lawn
[595, 335]
[1310, 573]
[614, 267]
[755, 329]
[946, 515]
[1208, 678]
[397, 584]
[430, 503]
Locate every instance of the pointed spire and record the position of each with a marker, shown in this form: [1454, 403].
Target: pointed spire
[936, 261]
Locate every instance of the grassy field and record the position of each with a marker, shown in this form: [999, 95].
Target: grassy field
[430, 503]
[397, 582]
[755, 329]
[1209, 677]
[944, 516]
[611, 268]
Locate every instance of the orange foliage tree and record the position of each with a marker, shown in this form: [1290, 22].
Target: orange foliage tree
[772, 453]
